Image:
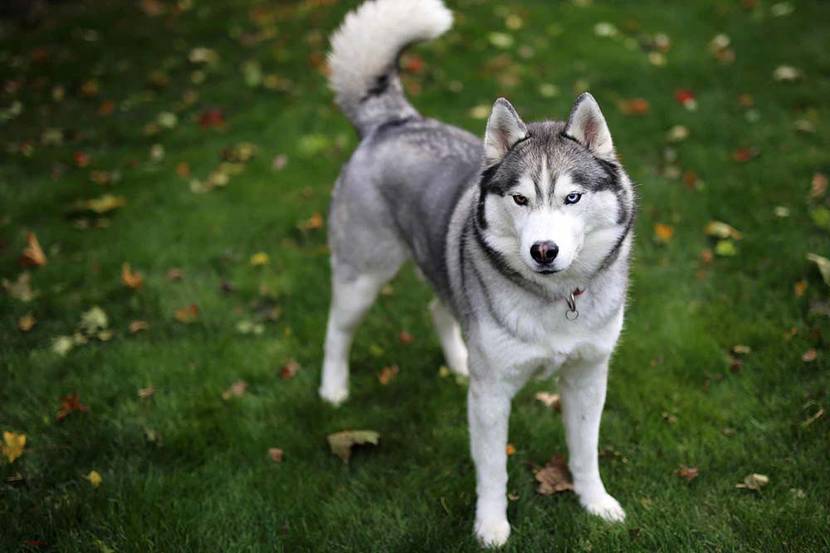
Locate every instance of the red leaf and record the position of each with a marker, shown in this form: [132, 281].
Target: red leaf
[71, 403]
[212, 118]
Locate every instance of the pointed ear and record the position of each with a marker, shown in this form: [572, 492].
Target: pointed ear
[587, 125]
[504, 129]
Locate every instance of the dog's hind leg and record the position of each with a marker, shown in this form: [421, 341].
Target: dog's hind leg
[449, 334]
[351, 299]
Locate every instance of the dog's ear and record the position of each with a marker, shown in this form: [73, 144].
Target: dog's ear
[504, 129]
[587, 125]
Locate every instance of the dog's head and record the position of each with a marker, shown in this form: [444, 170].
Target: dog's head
[553, 197]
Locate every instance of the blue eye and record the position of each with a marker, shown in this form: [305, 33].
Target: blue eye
[572, 198]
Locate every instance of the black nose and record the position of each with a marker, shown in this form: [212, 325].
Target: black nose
[544, 252]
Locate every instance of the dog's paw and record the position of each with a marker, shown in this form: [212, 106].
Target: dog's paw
[605, 507]
[492, 533]
[334, 396]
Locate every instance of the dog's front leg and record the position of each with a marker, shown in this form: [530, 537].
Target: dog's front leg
[582, 387]
[488, 410]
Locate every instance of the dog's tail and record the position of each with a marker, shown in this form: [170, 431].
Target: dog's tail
[364, 57]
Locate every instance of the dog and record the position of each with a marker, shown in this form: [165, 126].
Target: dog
[525, 238]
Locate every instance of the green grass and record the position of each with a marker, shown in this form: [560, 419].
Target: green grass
[205, 482]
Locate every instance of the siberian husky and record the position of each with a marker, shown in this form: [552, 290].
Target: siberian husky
[525, 238]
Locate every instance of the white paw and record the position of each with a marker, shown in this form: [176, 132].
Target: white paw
[334, 395]
[492, 533]
[459, 366]
[605, 507]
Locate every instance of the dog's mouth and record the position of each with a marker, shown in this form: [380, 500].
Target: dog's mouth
[547, 271]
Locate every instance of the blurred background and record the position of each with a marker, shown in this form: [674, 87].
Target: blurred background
[166, 170]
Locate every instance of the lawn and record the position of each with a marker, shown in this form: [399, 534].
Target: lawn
[198, 143]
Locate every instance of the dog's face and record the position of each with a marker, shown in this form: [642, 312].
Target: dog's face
[553, 198]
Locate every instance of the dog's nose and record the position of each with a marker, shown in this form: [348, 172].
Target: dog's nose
[544, 252]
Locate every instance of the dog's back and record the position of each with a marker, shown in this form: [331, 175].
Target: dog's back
[396, 195]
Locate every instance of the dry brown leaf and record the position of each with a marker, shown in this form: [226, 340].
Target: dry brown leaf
[550, 400]
[275, 454]
[70, 403]
[341, 443]
[237, 389]
[809, 356]
[818, 186]
[554, 477]
[405, 337]
[131, 279]
[138, 326]
[387, 374]
[26, 323]
[183, 169]
[689, 473]
[20, 289]
[32, 255]
[146, 393]
[799, 288]
[289, 370]
[187, 314]
[175, 274]
[510, 449]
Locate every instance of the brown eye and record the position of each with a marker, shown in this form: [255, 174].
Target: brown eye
[519, 199]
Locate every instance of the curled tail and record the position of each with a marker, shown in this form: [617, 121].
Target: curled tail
[364, 57]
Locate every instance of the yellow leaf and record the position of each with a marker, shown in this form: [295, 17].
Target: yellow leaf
[13, 445]
[718, 229]
[94, 478]
[341, 442]
[663, 233]
[259, 259]
[823, 266]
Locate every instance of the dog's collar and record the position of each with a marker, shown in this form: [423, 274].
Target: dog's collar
[572, 314]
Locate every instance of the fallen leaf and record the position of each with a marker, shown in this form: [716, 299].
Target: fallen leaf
[799, 288]
[818, 186]
[212, 118]
[686, 98]
[106, 108]
[32, 255]
[237, 389]
[663, 233]
[786, 73]
[102, 204]
[175, 274]
[689, 473]
[634, 106]
[71, 403]
[183, 169]
[187, 314]
[500, 40]
[131, 279]
[93, 321]
[510, 449]
[405, 337]
[823, 266]
[81, 159]
[550, 400]
[259, 259]
[313, 223]
[275, 454]
[289, 370]
[677, 133]
[387, 374]
[62, 345]
[146, 393]
[138, 326]
[13, 445]
[480, 111]
[341, 443]
[20, 289]
[26, 323]
[754, 482]
[742, 155]
[94, 478]
[554, 477]
[718, 229]
[809, 356]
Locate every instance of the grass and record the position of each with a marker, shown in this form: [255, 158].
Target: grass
[186, 470]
